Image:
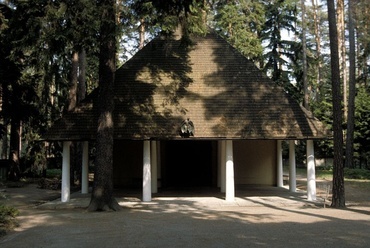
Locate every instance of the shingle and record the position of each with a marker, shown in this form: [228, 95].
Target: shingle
[209, 82]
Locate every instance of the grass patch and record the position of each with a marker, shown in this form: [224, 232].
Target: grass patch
[360, 185]
[54, 173]
[7, 219]
[325, 173]
[356, 174]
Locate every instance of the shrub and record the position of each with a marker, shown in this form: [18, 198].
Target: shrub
[7, 219]
[356, 173]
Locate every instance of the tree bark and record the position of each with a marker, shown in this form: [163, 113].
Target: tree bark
[316, 20]
[5, 146]
[338, 200]
[142, 33]
[352, 86]
[102, 195]
[15, 137]
[81, 89]
[342, 51]
[306, 99]
[73, 83]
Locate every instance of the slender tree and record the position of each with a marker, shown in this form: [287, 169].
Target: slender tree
[81, 90]
[338, 200]
[342, 51]
[318, 57]
[352, 86]
[363, 38]
[306, 98]
[72, 98]
[102, 195]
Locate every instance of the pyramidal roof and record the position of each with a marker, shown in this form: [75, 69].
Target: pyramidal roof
[208, 82]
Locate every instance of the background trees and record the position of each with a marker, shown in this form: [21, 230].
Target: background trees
[240, 22]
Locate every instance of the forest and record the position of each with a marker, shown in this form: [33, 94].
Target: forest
[50, 57]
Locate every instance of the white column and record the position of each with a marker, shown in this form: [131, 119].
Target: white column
[147, 194]
[279, 166]
[230, 187]
[223, 166]
[66, 188]
[292, 170]
[311, 177]
[154, 168]
[85, 168]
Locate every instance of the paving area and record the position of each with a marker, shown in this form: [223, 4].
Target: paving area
[259, 217]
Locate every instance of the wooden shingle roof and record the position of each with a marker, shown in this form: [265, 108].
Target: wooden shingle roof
[223, 93]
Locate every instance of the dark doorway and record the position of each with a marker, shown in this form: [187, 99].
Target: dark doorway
[188, 163]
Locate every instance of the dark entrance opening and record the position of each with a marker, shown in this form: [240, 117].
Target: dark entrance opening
[189, 163]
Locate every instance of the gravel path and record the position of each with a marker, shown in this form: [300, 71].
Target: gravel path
[274, 218]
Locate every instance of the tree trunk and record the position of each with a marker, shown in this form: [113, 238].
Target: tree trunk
[142, 33]
[352, 86]
[306, 98]
[15, 136]
[342, 51]
[5, 146]
[77, 147]
[73, 83]
[81, 89]
[338, 200]
[363, 37]
[72, 98]
[316, 20]
[102, 195]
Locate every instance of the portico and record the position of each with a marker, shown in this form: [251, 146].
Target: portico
[225, 169]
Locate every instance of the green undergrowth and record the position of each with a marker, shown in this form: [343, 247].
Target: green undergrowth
[7, 219]
[54, 173]
[327, 173]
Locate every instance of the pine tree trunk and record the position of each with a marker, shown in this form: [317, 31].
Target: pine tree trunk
[342, 52]
[81, 89]
[15, 136]
[338, 200]
[304, 58]
[316, 20]
[142, 34]
[5, 146]
[72, 98]
[102, 195]
[352, 86]
[73, 83]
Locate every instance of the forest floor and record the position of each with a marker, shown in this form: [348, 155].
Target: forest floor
[259, 217]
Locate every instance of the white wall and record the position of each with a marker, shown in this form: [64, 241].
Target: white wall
[255, 162]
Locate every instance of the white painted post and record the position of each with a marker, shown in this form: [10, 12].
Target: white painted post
[85, 168]
[311, 177]
[223, 166]
[66, 188]
[154, 168]
[292, 167]
[230, 187]
[147, 191]
[279, 166]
